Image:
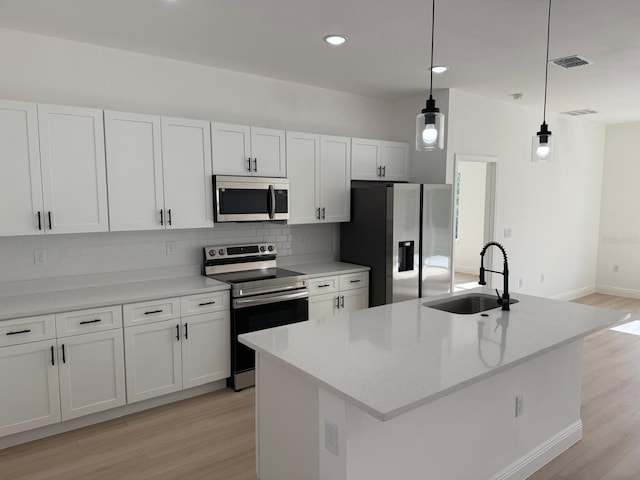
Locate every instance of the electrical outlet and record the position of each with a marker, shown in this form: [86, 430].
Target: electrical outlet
[519, 404]
[542, 278]
[616, 268]
[331, 437]
[520, 283]
[171, 248]
[507, 232]
[40, 256]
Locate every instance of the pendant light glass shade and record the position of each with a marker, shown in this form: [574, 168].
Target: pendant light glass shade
[430, 128]
[430, 122]
[542, 145]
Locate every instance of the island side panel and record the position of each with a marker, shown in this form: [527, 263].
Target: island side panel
[473, 432]
[286, 423]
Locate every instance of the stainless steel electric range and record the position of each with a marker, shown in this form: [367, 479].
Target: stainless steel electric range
[262, 296]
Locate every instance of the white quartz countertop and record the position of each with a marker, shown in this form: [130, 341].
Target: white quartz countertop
[323, 269]
[92, 297]
[391, 359]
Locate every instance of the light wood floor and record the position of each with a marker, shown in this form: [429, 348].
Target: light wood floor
[459, 277]
[212, 436]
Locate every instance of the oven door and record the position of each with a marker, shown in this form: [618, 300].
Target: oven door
[240, 199]
[257, 313]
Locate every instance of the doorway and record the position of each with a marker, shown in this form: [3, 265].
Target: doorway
[473, 216]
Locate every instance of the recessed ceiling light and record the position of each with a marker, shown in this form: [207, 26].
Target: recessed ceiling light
[335, 39]
[439, 69]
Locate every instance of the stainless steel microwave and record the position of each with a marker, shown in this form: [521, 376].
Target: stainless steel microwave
[250, 199]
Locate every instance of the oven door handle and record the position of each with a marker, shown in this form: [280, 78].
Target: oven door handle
[272, 202]
[269, 298]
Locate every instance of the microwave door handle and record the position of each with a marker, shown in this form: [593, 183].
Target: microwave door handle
[272, 202]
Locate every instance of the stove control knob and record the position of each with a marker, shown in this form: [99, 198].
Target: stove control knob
[263, 248]
[271, 248]
[221, 251]
[212, 253]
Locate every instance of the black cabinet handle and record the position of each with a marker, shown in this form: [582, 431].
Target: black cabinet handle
[53, 358]
[19, 332]
[50, 225]
[39, 221]
[169, 216]
[379, 171]
[384, 171]
[84, 322]
[337, 302]
[64, 356]
[206, 303]
[186, 331]
[342, 301]
[325, 285]
[318, 213]
[255, 164]
[152, 312]
[161, 217]
[249, 162]
[178, 332]
[323, 213]
[354, 281]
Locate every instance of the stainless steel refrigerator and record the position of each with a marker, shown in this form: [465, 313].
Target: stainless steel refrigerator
[402, 231]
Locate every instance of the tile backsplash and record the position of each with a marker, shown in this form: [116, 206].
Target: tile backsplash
[103, 258]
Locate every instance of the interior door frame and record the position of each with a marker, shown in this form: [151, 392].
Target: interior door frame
[491, 204]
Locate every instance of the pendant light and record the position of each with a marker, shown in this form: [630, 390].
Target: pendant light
[430, 122]
[542, 145]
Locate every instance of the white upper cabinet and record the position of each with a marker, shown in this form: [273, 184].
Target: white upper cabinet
[319, 174]
[379, 160]
[243, 150]
[159, 172]
[74, 182]
[186, 163]
[134, 165]
[20, 182]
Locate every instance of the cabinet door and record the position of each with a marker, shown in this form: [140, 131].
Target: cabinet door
[231, 146]
[29, 397]
[153, 360]
[303, 152]
[206, 355]
[352, 300]
[20, 182]
[267, 151]
[91, 373]
[395, 161]
[74, 178]
[186, 165]
[321, 306]
[135, 171]
[365, 159]
[335, 178]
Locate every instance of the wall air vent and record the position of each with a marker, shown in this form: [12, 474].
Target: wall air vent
[570, 62]
[575, 113]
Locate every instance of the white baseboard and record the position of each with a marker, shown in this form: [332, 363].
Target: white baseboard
[618, 291]
[66, 426]
[543, 454]
[573, 294]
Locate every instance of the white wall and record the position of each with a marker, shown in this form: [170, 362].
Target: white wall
[49, 70]
[473, 179]
[553, 209]
[619, 218]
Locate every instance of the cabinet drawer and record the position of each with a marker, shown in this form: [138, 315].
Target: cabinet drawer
[204, 303]
[26, 330]
[86, 321]
[354, 280]
[149, 312]
[319, 286]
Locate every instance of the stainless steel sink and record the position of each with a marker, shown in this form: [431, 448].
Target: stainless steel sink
[467, 304]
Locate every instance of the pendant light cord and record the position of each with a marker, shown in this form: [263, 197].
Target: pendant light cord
[433, 16]
[546, 66]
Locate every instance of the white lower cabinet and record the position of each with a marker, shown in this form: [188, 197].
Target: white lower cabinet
[335, 294]
[29, 393]
[170, 355]
[91, 373]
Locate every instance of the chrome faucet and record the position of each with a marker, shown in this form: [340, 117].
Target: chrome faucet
[504, 301]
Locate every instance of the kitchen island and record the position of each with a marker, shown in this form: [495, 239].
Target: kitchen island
[406, 391]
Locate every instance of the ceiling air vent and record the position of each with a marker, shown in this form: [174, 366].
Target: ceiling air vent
[575, 113]
[570, 62]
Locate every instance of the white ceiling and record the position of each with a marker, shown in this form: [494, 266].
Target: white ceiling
[493, 47]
